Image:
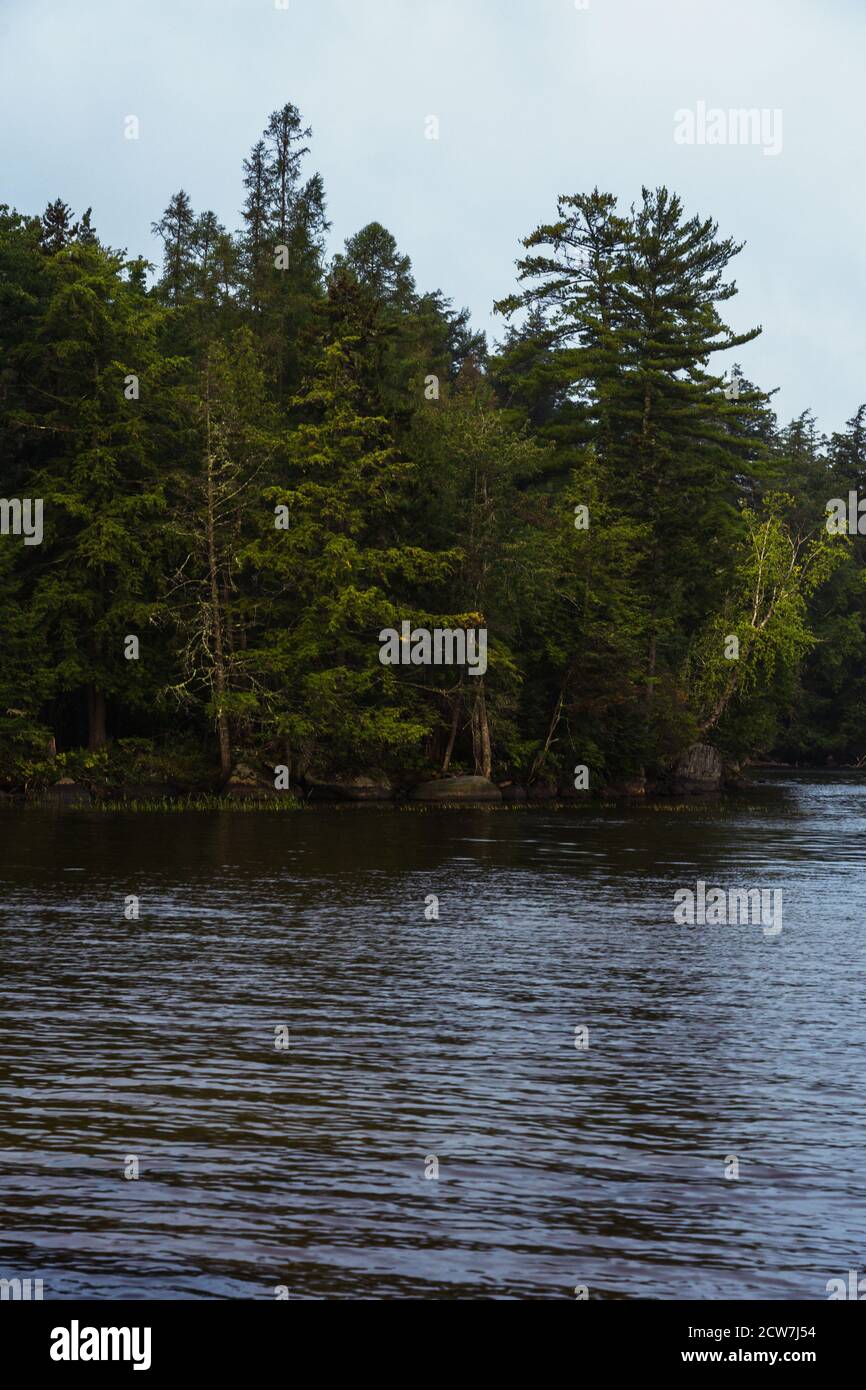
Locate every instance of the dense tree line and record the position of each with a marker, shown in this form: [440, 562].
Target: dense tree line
[265, 458]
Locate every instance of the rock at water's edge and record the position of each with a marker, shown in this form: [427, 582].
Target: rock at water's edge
[458, 789]
[351, 789]
[634, 787]
[246, 785]
[541, 791]
[66, 793]
[512, 793]
[699, 769]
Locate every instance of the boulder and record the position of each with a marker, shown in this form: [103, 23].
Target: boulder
[699, 770]
[512, 793]
[629, 789]
[567, 791]
[543, 790]
[351, 789]
[463, 789]
[246, 785]
[66, 793]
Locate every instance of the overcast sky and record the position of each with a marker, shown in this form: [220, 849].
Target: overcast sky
[534, 98]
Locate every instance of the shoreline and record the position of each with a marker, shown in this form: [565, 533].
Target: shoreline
[68, 795]
[725, 799]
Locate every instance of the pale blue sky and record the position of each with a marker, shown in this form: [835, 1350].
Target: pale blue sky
[534, 97]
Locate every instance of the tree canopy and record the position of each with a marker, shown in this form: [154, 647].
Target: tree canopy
[254, 458]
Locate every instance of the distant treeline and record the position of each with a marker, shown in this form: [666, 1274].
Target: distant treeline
[258, 463]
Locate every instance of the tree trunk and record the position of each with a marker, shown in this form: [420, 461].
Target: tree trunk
[476, 740]
[552, 728]
[723, 702]
[647, 451]
[651, 669]
[96, 735]
[452, 737]
[219, 672]
[484, 736]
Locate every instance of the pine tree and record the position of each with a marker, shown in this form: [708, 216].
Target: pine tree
[95, 464]
[629, 325]
[177, 231]
[257, 250]
[282, 244]
[57, 226]
[473, 471]
[342, 570]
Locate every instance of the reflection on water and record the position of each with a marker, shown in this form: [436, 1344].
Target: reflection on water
[456, 1039]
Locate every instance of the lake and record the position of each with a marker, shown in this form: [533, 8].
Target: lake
[155, 1046]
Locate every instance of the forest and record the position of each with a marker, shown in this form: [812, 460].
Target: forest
[256, 458]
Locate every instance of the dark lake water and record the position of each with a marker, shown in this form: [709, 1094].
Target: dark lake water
[412, 1040]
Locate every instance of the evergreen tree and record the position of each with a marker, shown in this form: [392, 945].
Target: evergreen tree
[340, 570]
[256, 239]
[626, 324]
[97, 467]
[419, 479]
[177, 230]
[472, 468]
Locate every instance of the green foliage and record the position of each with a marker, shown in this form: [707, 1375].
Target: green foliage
[765, 618]
[419, 478]
[344, 570]
[133, 763]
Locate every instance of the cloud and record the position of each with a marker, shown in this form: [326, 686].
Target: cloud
[534, 98]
